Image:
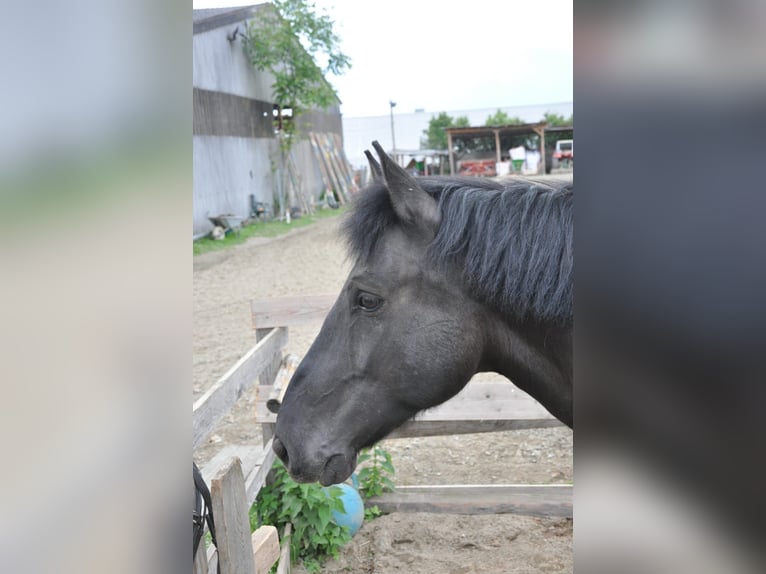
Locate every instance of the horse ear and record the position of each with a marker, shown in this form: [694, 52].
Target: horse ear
[411, 202]
[377, 172]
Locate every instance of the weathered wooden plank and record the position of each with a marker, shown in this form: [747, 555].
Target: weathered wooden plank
[266, 549]
[425, 428]
[289, 311]
[322, 170]
[289, 364]
[270, 370]
[257, 477]
[533, 500]
[200, 560]
[256, 462]
[487, 400]
[211, 407]
[263, 415]
[324, 157]
[329, 156]
[232, 525]
[212, 559]
[482, 406]
[285, 566]
[267, 432]
[249, 456]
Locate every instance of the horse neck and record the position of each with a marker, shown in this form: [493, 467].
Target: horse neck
[536, 358]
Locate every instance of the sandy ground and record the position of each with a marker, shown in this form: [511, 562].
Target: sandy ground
[312, 260]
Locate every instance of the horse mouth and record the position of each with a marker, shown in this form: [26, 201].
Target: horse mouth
[337, 469]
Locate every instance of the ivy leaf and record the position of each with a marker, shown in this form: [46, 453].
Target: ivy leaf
[325, 515]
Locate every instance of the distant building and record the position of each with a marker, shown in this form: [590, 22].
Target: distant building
[359, 132]
[235, 148]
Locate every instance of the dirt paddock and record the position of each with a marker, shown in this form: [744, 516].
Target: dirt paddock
[312, 260]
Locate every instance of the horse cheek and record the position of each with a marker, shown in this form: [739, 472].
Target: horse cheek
[434, 362]
[366, 346]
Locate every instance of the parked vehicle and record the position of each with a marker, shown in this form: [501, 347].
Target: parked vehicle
[564, 151]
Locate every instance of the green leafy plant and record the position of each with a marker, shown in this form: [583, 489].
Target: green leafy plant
[376, 476]
[371, 513]
[309, 508]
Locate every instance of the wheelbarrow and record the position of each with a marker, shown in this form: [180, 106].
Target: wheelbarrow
[230, 223]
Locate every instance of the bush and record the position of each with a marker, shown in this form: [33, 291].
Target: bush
[309, 508]
[376, 476]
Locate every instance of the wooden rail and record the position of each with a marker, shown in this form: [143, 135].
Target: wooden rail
[482, 406]
[211, 407]
[290, 311]
[527, 499]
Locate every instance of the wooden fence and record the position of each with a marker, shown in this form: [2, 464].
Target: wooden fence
[237, 472]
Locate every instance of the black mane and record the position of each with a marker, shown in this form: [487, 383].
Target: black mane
[513, 240]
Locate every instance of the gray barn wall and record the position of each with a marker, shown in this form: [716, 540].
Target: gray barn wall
[221, 66]
[226, 171]
[233, 139]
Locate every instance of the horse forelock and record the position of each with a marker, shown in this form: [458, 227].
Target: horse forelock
[514, 240]
[371, 215]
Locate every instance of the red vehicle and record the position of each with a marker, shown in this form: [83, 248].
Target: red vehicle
[564, 150]
[478, 168]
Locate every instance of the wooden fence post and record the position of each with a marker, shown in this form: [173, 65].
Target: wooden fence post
[232, 524]
[285, 566]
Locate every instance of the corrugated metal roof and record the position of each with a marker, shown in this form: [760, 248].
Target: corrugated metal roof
[559, 129]
[488, 130]
[203, 13]
[206, 19]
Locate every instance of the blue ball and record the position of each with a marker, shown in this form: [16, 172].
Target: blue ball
[352, 502]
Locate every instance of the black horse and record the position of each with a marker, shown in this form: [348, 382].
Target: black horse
[451, 277]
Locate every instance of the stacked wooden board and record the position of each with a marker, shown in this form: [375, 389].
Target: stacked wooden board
[336, 172]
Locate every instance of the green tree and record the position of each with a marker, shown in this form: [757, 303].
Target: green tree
[557, 120]
[298, 47]
[461, 122]
[434, 136]
[500, 118]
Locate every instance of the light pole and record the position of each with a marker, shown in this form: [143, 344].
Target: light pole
[393, 137]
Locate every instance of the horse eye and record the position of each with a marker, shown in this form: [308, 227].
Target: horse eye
[368, 302]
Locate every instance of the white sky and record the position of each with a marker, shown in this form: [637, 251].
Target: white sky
[443, 56]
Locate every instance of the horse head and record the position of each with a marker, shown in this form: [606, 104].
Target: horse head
[451, 277]
[402, 336]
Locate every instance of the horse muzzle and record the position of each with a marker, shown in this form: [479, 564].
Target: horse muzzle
[326, 470]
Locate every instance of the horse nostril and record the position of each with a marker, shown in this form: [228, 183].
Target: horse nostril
[280, 449]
